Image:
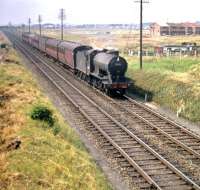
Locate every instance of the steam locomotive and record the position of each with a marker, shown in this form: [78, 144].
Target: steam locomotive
[104, 69]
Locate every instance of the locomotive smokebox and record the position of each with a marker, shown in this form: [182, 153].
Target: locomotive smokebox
[110, 63]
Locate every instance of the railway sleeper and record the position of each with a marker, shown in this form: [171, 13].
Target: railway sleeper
[124, 163]
[135, 175]
[107, 126]
[163, 172]
[163, 123]
[145, 185]
[104, 120]
[118, 156]
[168, 177]
[138, 158]
[110, 130]
[130, 149]
[110, 126]
[117, 140]
[179, 187]
[127, 147]
[192, 144]
[110, 148]
[157, 167]
[182, 138]
[190, 141]
[148, 162]
[135, 150]
[172, 184]
[175, 132]
[138, 154]
[106, 143]
[195, 147]
[120, 138]
[126, 143]
[138, 180]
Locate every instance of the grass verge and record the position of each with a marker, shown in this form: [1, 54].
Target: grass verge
[179, 91]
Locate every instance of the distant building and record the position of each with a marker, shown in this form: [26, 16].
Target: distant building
[49, 26]
[174, 29]
[184, 49]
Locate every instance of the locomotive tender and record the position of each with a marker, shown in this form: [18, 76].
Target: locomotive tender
[104, 69]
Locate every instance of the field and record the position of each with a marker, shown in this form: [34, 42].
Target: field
[117, 38]
[36, 154]
[163, 64]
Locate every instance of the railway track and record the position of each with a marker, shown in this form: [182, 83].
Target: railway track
[178, 134]
[153, 171]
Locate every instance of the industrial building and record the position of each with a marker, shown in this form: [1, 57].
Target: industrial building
[174, 29]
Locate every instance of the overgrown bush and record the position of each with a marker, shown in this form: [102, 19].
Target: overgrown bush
[46, 117]
[43, 113]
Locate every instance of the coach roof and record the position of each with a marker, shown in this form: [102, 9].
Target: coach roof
[73, 45]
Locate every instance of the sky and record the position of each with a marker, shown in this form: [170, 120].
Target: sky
[98, 11]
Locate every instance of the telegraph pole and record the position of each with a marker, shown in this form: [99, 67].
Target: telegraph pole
[141, 31]
[40, 21]
[29, 25]
[62, 17]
